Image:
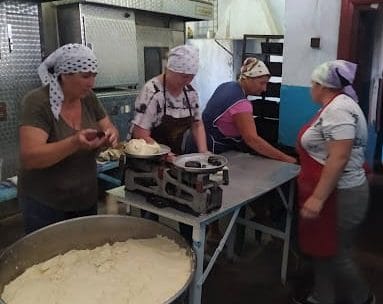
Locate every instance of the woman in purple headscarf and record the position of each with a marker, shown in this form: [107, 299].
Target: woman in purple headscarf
[332, 186]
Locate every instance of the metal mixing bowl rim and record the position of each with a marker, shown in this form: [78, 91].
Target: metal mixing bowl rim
[168, 301]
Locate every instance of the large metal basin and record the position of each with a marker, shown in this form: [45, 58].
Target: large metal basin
[83, 233]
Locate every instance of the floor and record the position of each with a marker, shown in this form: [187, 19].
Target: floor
[254, 277]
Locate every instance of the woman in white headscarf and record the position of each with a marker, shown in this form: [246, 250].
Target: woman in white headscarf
[228, 116]
[168, 105]
[332, 186]
[61, 127]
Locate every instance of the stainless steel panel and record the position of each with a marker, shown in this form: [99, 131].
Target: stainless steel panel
[114, 43]
[48, 25]
[110, 32]
[69, 25]
[18, 71]
[193, 10]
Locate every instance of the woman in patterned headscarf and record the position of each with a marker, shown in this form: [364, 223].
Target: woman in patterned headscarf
[228, 119]
[61, 127]
[168, 105]
[332, 186]
[228, 116]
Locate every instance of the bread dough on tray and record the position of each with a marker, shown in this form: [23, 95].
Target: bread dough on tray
[138, 271]
[141, 147]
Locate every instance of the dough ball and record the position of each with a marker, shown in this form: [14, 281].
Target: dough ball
[141, 147]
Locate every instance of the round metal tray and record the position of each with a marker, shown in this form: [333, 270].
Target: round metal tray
[180, 161]
[164, 150]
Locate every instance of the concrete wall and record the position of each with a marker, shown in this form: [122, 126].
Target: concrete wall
[314, 18]
[215, 66]
[218, 65]
[259, 17]
[246, 17]
[277, 8]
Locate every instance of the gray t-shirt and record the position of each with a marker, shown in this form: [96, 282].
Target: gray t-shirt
[71, 184]
[341, 119]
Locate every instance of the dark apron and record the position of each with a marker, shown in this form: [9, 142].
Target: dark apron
[317, 237]
[171, 130]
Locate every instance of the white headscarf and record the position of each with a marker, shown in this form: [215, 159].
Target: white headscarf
[70, 58]
[253, 67]
[337, 74]
[183, 59]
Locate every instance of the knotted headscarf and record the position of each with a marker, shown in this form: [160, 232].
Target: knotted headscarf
[337, 74]
[183, 59]
[70, 58]
[253, 67]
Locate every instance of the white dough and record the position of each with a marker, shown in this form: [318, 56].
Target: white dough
[133, 272]
[141, 147]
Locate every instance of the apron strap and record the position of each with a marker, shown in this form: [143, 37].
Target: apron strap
[186, 96]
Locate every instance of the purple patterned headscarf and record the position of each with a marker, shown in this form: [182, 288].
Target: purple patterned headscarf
[337, 74]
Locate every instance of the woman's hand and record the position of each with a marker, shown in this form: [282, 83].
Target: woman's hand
[291, 160]
[170, 157]
[339, 154]
[311, 208]
[87, 139]
[111, 135]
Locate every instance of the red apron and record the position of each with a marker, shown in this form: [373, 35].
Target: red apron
[317, 237]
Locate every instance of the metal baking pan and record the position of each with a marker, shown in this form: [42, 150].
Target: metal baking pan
[180, 161]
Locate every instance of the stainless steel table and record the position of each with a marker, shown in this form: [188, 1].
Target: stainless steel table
[250, 177]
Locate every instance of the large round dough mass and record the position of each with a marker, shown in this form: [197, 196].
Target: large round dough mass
[141, 147]
[144, 271]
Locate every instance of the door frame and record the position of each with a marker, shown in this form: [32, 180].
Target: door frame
[349, 22]
[347, 50]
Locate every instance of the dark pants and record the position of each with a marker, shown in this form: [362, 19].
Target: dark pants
[185, 230]
[37, 215]
[338, 277]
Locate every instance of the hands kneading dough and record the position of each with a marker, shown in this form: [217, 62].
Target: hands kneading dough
[141, 147]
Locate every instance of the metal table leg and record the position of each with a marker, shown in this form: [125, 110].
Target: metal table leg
[195, 293]
[239, 233]
[220, 246]
[286, 243]
[198, 246]
[284, 235]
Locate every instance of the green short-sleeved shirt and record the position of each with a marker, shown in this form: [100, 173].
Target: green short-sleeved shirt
[71, 184]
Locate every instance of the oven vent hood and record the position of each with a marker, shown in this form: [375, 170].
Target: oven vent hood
[190, 10]
[255, 17]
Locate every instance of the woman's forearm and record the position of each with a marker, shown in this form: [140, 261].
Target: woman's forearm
[37, 153]
[339, 152]
[328, 181]
[244, 122]
[199, 135]
[262, 147]
[48, 154]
